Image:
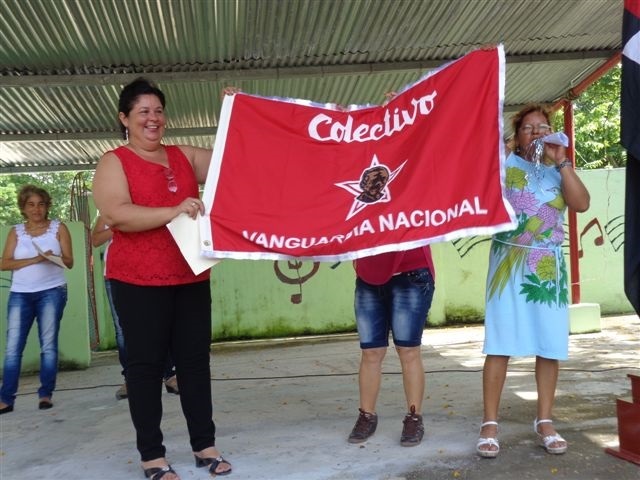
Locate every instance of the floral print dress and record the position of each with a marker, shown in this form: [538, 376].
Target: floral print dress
[527, 295]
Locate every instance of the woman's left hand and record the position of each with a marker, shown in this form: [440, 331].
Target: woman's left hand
[191, 206]
[557, 153]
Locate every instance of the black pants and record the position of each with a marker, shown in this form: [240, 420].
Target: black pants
[157, 320]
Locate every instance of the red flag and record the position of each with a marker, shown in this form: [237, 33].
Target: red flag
[630, 139]
[290, 178]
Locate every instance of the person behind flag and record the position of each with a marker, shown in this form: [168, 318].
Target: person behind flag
[393, 293]
[527, 296]
[161, 304]
[101, 234]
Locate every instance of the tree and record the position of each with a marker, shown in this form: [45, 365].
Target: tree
[597, 124]
[57, 184]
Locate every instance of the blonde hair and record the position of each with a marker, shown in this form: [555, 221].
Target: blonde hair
[516, 120]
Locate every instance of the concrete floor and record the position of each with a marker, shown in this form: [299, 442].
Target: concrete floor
[284, 409]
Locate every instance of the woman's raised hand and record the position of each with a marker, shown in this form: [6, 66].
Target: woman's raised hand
[230, 91]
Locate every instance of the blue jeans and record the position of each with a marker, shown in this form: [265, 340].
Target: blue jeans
[122, 353]
[169, 370]
[401, 306]
[46, 307]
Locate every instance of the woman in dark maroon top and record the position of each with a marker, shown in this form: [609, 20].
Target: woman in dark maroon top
[393, 294]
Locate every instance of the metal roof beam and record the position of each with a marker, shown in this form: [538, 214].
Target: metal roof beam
[110, 135]
[46, 168]
[225, 75]
[115, 134]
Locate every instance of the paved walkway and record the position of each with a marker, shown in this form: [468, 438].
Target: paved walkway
[284, 409]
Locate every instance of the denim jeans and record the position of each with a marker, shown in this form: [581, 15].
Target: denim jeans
[46, 307]
[122, 354]
[400, 305]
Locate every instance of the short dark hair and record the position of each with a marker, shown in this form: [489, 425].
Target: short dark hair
[130, 94]
[28, 190]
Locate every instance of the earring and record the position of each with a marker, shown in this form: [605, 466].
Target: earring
[126, 134]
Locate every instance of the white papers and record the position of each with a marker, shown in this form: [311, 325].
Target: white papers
[52, 258]
[557, 138]
[186, 233]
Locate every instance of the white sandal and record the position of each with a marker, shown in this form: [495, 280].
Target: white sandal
[548, 440]
[482, 441]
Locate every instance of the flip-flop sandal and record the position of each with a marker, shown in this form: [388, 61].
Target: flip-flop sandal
[213, 464]
[156, 473]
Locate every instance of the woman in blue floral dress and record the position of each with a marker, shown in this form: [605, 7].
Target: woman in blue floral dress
[527, 293]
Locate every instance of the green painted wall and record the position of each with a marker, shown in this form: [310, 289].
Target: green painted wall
[263, 299]
[601, 231]
[74, 351]
[249, 300]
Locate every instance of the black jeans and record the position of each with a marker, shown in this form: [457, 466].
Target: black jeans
[155, 320]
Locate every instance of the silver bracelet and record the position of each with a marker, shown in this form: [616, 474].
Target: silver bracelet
[564, 163]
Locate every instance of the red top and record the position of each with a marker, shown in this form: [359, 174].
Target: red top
[152, 257]
[378, 269]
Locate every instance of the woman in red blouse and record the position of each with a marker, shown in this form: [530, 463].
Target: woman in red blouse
[161, 304]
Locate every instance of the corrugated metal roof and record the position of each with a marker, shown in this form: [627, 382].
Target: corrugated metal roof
[63, 62]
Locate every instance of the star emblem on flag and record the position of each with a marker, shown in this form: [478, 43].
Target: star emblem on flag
[372, 187]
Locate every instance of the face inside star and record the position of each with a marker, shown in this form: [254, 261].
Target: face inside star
[372, 183]
[372, 187]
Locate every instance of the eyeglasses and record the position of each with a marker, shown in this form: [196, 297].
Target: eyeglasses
[541, 128]
[172, 186]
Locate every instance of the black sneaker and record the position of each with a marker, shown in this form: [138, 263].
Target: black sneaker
[365, 427]
[413, 429]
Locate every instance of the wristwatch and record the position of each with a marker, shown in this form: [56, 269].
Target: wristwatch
[565, 163]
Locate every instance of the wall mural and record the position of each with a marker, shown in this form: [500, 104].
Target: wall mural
[598, 241]
[292, 272]
[464, 245]
[614, 231]
[293, 275]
